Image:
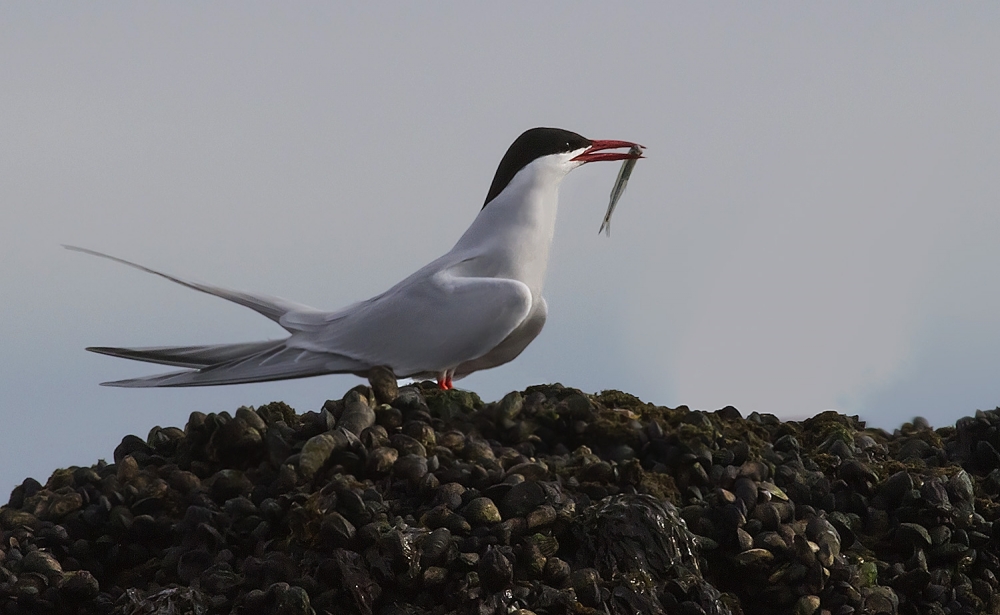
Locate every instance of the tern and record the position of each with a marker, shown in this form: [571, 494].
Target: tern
[474, 308]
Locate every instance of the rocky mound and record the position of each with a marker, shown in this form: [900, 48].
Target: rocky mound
[549, 501]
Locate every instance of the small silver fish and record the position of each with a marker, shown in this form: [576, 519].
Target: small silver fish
[619, 188]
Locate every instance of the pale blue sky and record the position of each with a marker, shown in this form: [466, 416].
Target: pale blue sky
[815, 226]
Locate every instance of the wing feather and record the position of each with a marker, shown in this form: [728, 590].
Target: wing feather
[424, 327]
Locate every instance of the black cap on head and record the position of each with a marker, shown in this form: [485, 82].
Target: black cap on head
[532, 144]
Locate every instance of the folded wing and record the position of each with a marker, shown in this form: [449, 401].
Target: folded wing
[425, 325]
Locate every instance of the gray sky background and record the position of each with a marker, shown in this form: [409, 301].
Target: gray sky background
[815, 226]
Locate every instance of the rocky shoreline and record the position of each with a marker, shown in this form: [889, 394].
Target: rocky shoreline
[414, 500]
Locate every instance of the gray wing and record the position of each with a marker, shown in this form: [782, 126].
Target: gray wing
[429, 323]
[512, 346]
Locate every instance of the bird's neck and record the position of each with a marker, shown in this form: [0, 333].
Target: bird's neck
[512, 235]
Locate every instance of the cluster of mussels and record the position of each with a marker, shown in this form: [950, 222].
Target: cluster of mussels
[414, 500]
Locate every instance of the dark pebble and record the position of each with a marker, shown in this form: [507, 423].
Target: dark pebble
[79, 586]
[383, 383]
[496, 571]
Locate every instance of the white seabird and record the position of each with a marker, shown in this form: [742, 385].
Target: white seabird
[474, 308]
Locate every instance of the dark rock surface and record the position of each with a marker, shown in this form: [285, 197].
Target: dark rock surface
[414, 500]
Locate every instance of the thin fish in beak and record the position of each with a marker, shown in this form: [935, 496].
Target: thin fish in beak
[619, 188]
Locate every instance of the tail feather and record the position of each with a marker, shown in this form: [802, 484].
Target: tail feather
[189, 356]
[266, 305]
[232, 363]
[278, 362]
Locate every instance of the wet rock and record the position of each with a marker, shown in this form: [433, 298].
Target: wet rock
[79, 586]
[220, 580]
[510, 406]
[228, 484]
[496, 571]
[60, 504]
[411, 468]
[381, 460]
[556, 572]
[336, 530]
[450, 495]
[647, 540]
[441, 516]
[960, 487]
[482, 511]
[523, 498]
[317, 450]
[436, 547]
[169, 600]
[912, 535]
[383, 383]
[288, 600]
[134, 446]
[807, 605]
[237, 441]
[541, 517]
[896, 487]
[880, 601]
[357, 415]
[388, 417]
[745, 490]
[754, 558]
[11, 519]
[191, 564]
[421, 432]
[585, 582]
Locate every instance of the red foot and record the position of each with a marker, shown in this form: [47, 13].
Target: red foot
[445, 384]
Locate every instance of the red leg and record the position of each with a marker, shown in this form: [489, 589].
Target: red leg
[444, 382]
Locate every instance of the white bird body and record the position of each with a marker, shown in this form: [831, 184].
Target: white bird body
[476, 307]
